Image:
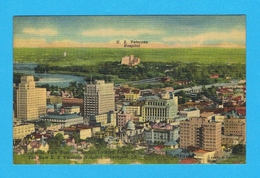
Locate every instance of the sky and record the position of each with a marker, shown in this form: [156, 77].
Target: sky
[106, 31]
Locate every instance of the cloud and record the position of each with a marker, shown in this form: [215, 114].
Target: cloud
[42, 43]
[122, 32]
[22, 43]
[234, 37]
[40, 32]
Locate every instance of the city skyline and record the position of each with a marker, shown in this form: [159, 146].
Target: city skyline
[156, 85]
[104, 31]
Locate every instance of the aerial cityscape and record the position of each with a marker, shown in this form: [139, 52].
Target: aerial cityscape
[129, 90]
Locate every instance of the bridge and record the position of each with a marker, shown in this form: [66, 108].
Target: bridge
[26, 68]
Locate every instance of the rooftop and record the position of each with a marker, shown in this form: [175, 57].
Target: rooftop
[62, 116]
[189, 161]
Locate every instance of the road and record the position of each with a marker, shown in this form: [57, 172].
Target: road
[198, 88]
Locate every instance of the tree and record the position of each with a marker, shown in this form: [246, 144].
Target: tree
[239, 149]
[76, 137]
[56, 141]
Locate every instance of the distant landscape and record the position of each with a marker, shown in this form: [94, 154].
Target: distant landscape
[189, 64]
[92, 56]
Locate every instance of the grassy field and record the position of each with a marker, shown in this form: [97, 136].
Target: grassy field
[92, 56]
[234, 159]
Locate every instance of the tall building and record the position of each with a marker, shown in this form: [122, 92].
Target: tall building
[201, 132]
[160, 109]
[31, 101]
[99, 98]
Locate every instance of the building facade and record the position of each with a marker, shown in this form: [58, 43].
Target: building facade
[122, 117]
[130, 60]
[99, 98]
[235, 127]
[160, 109]
[69, 102]
[31, 101]
[103, 119]
[201, 132]
[65, 120]
[191, 112]
[133, 110]
[161, 133]
[21, 131]
[72, 110]
[131, 97]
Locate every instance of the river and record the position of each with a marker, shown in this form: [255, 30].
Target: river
[60, 80]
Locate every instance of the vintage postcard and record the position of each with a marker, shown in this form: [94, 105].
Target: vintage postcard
[129, 89]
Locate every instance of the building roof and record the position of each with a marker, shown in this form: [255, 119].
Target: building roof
[200, 151]
[130, 125]
[241, 110]
[62, 116]
[158, 147]
[72, 107]
[123, 110]
[171, 143]
[189, 161]
[149, 97]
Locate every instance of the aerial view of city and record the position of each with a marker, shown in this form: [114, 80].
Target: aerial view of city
[129, 89]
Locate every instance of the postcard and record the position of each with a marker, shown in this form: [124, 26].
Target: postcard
[167, 89]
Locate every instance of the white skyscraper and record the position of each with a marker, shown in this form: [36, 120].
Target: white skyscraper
[31, 101]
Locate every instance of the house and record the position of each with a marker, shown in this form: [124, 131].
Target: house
[182, 82]
[19, 151]
[159, 150]
[180, 153]
[38, 145]
[70, 142]
[204, 156]
[172, 144]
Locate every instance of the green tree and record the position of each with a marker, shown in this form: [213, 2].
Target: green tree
[239, 149]
[56, 142]
[76, 137]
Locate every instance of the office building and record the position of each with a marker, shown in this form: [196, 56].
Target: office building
[160, 109]
[31, 101]
[99, 98]
[201, 132]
